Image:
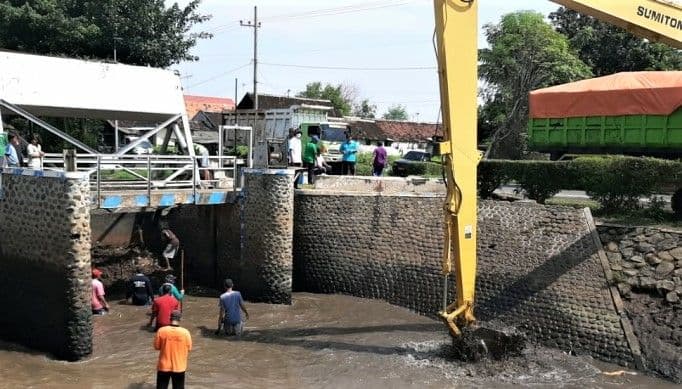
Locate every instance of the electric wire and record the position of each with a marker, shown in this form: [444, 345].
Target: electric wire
[219, 75]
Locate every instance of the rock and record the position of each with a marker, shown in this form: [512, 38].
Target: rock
[636, 258]
[612, 247]
[678, 272]
[639, 265]
[616, 267]
[672, 297]
[657, 237]
[627, 265]
[627, 251]
[624, 288]
[676, 253]
[665, 286]
[663, 269]
[645, 247]
[647, 283]
[616, 257]
[626, 243]
[630, 272]
[633, 282]
[652, 259]
[665, 255]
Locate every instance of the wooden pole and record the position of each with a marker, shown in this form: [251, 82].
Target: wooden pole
[182, 277]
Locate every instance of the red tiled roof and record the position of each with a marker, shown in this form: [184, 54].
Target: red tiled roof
[194, 104]
[408, 131]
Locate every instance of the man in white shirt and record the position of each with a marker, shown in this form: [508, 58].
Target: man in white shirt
[35, 153]
[294, 149]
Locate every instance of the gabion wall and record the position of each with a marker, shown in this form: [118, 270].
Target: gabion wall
[45, 281]
[538, 266]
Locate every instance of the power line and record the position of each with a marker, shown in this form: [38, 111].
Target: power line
[350, 68]
[219, 75]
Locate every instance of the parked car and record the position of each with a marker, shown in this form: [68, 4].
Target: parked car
[401, 166]
[145, 147]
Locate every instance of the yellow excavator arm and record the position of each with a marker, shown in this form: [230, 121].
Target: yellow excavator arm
[457, 52]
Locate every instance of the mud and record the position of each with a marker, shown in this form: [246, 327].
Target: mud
[319, 341]
[658, 326]
[490, 340]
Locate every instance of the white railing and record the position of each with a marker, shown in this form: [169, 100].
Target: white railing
[153, 173]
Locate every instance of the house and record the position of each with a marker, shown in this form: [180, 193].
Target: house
[400, 136]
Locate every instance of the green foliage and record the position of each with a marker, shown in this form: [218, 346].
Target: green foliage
[363, 166]
[365, 110]
[524, 53]
[143, 32]
[396, 112]
[617, 183]
[608, 49]
[339, 95]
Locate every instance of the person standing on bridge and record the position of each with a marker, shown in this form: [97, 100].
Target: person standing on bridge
[349, 149]
[294, 149]
[171, 246]
[13, 151]
[35, 153]
[174, 344]
[310, 154]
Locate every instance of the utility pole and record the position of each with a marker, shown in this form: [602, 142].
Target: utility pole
[255, 25]
[235, 92]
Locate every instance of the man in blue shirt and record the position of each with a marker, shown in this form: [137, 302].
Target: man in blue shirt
[230, 303]
[12, 153]
[349, 149]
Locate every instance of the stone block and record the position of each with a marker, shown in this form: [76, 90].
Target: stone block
[664, 269]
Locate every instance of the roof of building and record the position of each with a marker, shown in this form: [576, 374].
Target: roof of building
[399, 131]
[266, 101]
[194, 104]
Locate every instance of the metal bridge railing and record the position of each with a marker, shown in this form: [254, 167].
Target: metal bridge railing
[152, 173]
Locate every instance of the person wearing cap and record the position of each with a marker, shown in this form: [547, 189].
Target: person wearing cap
[99, 303]
[230, 303]
[310, 157]
[140, 289]
[174, 344]
[170, 281]
[162, 308]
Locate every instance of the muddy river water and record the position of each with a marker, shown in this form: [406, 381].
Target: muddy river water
[320, 341]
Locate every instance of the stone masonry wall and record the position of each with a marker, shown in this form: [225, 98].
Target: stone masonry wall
[45, 281]
[647, 267]
[539, 267]
[264, 269]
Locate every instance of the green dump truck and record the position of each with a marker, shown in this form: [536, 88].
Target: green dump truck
[633, 113]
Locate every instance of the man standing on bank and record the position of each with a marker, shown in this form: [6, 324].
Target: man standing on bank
[230, 303]
[174, 344]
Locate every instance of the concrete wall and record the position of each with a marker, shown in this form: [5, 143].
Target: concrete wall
[539, 267]
[45, 281]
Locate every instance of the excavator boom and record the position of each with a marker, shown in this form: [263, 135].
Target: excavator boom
[457, 54]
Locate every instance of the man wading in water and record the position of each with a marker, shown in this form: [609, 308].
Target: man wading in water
[230, 303]
[174, 344]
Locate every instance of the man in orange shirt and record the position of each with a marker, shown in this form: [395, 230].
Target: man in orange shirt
[174, 344]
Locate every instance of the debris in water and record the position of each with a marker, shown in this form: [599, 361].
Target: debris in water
[489, 340]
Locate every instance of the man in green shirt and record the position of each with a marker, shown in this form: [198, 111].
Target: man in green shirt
[309, 156]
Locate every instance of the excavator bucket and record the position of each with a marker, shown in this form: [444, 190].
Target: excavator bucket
[488, 340]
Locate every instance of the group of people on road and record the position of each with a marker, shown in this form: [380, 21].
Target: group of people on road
[171, 340]
[310, 155]
[14, 157]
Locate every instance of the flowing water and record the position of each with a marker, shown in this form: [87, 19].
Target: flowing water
[320, 341]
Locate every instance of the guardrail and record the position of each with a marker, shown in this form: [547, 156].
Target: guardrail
[153, 173]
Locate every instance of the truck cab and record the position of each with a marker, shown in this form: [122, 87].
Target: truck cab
[332, 135]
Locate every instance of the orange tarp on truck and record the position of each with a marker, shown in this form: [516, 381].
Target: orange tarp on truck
[627, 93]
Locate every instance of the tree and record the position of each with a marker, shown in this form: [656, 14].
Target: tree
[365, 110]
[524, 53]
[142, 32]
[396, 112]
[608, 49]
[341, 96]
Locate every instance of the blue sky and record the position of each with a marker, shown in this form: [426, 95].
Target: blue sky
[352, 34]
